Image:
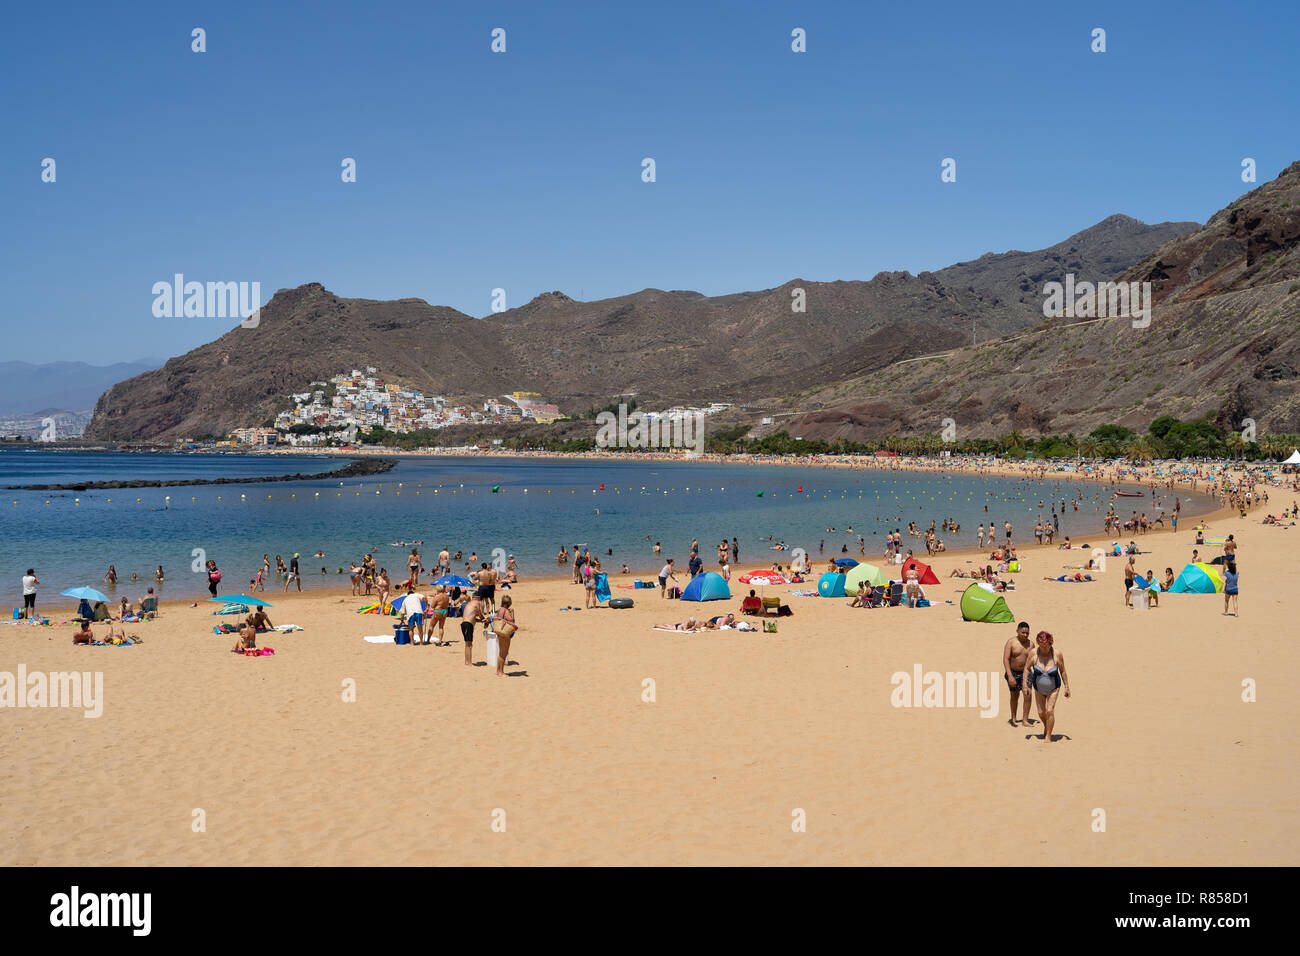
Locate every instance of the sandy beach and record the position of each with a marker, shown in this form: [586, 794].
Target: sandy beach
[747, 734]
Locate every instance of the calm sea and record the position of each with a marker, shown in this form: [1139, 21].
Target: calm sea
[72, 537]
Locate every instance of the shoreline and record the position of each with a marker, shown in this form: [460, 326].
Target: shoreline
[1203, 477]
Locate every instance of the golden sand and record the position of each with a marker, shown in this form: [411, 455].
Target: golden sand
[747, 734]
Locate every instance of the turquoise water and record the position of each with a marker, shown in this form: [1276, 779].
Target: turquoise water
[72, 537]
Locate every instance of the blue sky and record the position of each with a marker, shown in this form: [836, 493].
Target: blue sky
[522, 170]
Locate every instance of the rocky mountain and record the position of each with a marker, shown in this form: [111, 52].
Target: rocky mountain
[665, 347]
[1223, 342]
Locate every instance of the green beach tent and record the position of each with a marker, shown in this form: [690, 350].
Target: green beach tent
[980, 603]
[862, 572]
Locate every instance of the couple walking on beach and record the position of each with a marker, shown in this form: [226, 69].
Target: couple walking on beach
[1038, 666]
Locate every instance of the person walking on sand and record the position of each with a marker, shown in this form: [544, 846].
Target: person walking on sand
[1046, 670]
[1015, 658]
[30, 584]
[473, 615]
[1230, 588]
[506, 628]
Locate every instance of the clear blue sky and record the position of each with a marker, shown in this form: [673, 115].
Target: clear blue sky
[522, 170]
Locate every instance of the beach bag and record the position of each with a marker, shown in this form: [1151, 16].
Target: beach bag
[769, 627]
[922, 602]
[620, 602]
[674, 592]
[1013, 566]
[784, 611]
[505, 629]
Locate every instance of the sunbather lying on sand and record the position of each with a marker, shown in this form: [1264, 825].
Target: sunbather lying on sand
[1071, 578]
[690, 624]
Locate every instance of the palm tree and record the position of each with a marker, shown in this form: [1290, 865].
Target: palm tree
[1089, 447]
[1137, 449]
[1235, 443]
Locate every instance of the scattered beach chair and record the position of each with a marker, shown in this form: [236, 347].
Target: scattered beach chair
[896, 595]
[772, 604]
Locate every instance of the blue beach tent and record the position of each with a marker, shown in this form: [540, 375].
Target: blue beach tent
[709, 586]
[830, 585]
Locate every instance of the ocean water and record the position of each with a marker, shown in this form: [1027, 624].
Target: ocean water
[72, 537]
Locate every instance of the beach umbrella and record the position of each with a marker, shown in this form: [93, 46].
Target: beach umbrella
[845, 563]
[409, 605]
[453, 581]
[86, 594]
[762, 578]
[241, 599]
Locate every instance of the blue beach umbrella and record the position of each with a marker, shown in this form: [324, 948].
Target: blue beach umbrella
[845, 563]
[86, 594]
[453, 581]
[241, 599]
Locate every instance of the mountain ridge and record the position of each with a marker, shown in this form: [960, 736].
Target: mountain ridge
[665, 346]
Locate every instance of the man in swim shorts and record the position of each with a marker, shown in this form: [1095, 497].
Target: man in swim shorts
[473, 615]
[487, 586]
[1015, 658]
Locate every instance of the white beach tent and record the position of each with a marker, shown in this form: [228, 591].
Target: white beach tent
[1294, 459]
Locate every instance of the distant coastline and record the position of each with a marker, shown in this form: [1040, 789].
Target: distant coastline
[357, 467]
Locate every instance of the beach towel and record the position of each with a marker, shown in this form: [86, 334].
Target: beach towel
[805, 593]
[285, 628]
[378, 638]
[678, 630]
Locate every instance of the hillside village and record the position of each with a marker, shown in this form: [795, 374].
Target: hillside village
[351, 404]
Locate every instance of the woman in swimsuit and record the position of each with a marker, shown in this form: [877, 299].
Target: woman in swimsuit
[439, 608]
[1230, 587]
[506, 628]
[1045, 672]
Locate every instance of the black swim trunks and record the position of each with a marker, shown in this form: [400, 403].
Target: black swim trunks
[1019, 683]
[467, 631]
